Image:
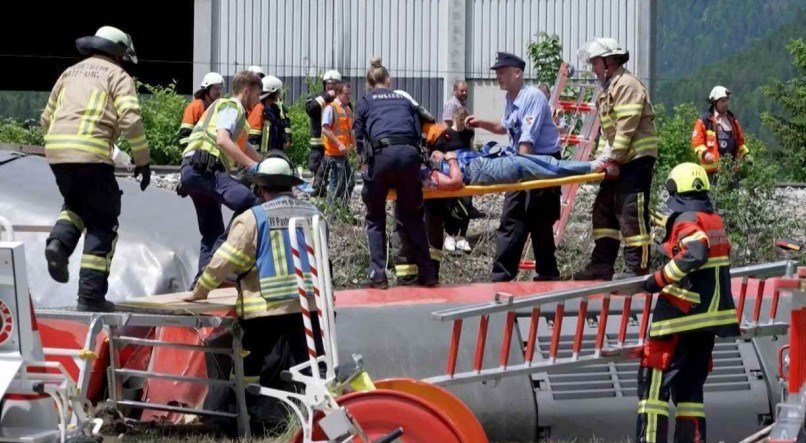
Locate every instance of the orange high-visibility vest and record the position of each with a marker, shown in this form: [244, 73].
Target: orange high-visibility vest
[342, 127]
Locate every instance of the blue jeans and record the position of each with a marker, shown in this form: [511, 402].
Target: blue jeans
[209, 190]
[339, 175]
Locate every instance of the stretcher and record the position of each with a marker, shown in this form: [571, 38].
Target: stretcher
[508, 187]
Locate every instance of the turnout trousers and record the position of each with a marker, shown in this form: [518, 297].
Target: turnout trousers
[621, 211]
[91, 207]
[674, 368]
[395, 167]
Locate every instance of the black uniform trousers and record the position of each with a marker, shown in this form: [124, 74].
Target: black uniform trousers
[681, 381]
[395, 167]
[622, 207]
[527, 213]
[406, 269]
[91, 207]
[316, 157]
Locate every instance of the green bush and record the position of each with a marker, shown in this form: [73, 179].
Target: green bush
[162, 111]
[12, 131]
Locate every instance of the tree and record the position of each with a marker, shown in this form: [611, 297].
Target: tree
[789, 127]
[546, 55]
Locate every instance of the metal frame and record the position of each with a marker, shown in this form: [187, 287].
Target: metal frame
[543, 305]
[114, 321]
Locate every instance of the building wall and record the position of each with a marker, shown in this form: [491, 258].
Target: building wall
[426, 44]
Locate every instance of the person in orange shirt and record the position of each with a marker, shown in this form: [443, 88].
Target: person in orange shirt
[717, 133]
[209, 91]
[337, 131]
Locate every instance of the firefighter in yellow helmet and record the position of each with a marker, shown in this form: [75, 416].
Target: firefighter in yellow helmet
[92, 104]
[621, 208]
[694, 305]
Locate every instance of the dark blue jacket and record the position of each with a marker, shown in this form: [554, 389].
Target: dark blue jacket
[383, 113]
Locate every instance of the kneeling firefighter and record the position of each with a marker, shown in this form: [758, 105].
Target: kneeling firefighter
[694, 305]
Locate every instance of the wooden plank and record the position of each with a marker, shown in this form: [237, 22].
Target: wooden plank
[219, 300]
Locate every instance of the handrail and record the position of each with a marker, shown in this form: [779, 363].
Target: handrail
[614, 287]
[8, 227]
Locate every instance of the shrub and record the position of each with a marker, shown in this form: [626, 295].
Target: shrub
[162, 111]
[27, 133]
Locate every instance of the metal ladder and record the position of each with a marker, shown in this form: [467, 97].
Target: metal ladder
[573, 100]
[588, 309]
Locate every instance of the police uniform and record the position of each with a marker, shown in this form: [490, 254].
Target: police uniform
[694, 305]
[527, 119]
[621, 208]
[388, 124]
[205, 173]
[92, 103]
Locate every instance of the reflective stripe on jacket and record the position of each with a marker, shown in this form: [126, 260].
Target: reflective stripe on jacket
[203, 136]
[92, 104]
[342, 127]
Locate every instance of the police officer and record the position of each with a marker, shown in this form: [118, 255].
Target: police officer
[91, 105]
[314, 108]
[621, 208]
[527, 120]
[387, 125]
[695, 304]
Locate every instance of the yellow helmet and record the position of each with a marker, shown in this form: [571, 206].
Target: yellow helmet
[687, 177]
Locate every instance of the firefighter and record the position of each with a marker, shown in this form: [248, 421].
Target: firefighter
[209, 91]
[314, 108]
[387, 128]
[257, 70]
[269, 125]
[219, 143]
[258, 250]
[337, 132]
[718, 133]
[92, 103]
[621, 208]
[527, 120]
[695, 304]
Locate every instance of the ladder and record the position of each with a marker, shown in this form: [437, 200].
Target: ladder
[586, 312]
[577, 119]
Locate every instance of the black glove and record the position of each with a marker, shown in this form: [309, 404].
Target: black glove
[180, 190]
[651, 284]
[146, 171]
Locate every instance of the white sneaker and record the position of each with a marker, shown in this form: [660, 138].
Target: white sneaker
[449, 244]
[463, 245]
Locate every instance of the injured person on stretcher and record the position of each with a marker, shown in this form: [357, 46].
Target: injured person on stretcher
[495, 165]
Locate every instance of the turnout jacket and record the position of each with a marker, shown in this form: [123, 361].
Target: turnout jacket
[92, 104]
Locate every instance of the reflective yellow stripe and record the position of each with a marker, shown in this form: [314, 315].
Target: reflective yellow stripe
[643, 229]
[681, 293]
[691, 322]
[673, 271]
[73, 218]
[257, 304]
[699, 235]
[654, 396]
[278, 253]
[638, 240]
[321, 101]
[254, 131]
[709, 132]
[127, 102]
[84, 143]
[743, 151]
[715, 262]
[94, 262]
[405, 270]
[316, 141]
[138, 143]
[207, 281]
[690, 409]
[606, 233]
[700, 150]
[645, 144]
[621, 142]
[234, 256]
[622, 111]
[92, 113]
[187, 126]
[436, 254]
[654, 407]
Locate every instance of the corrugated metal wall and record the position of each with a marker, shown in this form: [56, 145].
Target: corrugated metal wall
[509, 25]
[295, 39]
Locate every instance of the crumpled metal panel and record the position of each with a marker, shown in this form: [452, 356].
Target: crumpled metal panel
[157, 249]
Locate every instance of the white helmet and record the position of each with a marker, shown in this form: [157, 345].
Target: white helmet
[600, 47]
[109, 40]
[210, 79]
[257, 70]
[332, 75]
[270, 84]
[717, 93]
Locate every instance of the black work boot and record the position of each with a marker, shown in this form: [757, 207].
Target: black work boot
[595, 271]
[91, 305]
[57, 257]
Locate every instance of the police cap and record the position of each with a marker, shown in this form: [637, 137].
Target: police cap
[506, 59]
